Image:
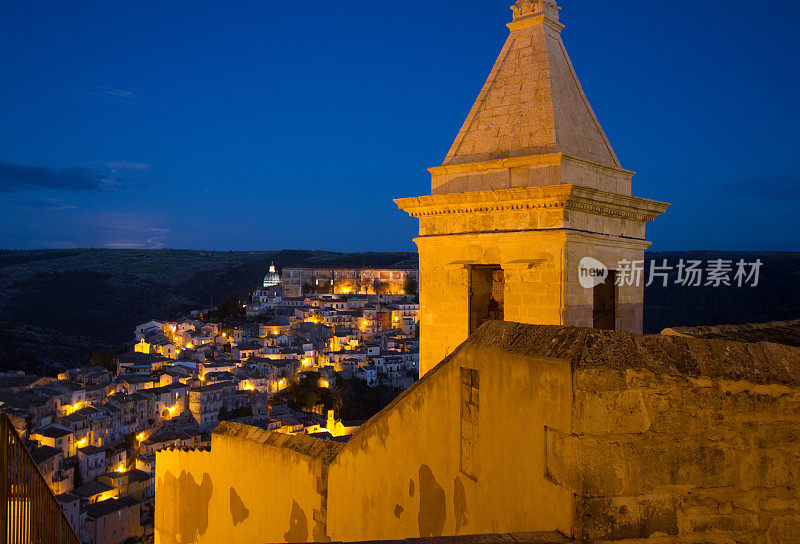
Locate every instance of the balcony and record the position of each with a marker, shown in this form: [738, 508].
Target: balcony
[29, 511]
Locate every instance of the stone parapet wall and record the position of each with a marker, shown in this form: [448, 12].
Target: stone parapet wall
[669, 457]
[599, 436]
[253, 486]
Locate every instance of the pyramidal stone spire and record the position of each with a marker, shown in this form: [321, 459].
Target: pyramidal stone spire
[532, 105]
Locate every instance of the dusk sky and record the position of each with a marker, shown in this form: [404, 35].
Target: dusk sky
[271, 125]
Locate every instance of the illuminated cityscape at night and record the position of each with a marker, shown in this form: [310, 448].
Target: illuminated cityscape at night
[542, 346]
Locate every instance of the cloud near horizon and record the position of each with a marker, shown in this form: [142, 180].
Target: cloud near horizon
[19, 177]
[106, 92]
[116, 166]
[52, 204]
[15, 177]
[771, 187]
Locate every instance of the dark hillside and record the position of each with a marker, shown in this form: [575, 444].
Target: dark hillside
[776, 298]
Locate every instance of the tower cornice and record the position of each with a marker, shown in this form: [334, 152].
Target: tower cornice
[556, 197]
[535, 12]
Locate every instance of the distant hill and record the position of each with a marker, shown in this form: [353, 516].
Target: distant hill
[776, 298]
[58, 306]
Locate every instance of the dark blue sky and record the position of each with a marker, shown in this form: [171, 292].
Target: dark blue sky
[269, 125]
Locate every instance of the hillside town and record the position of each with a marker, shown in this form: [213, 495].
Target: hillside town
[93, 431]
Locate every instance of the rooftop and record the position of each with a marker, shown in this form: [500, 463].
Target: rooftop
[41, 454]
[54, 431]
[90, 450]
[90, 489]
[104, 508]
[66, 498]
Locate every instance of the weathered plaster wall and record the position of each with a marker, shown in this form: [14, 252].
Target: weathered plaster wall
[461, 453]
[253, 486]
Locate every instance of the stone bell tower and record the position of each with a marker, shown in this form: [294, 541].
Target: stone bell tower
[529, 188]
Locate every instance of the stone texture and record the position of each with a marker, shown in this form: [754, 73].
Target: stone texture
[778, 332]
[532, 102]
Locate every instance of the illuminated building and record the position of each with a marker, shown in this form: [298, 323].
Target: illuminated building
[299, 281]
[272, 279]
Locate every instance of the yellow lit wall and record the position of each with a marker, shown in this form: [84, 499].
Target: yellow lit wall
[516, 433]
[253, 486]
[413, 445]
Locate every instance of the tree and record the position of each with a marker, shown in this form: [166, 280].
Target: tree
[225, 415]
[360, 401]
[383, 288]
[410, 287]
[230, 309]
[231, 305]
[307, 393]
[306, 288]
[104, 358]
[346, 286]
[324, 287]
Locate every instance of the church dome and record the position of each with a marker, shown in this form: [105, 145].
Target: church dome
[272, 278]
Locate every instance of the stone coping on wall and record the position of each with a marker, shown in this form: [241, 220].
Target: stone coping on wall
[323, 450]
[759, 363]
[779, 332]
[549, 537]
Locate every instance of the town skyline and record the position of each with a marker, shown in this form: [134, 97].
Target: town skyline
[535, 365]
[203, 129]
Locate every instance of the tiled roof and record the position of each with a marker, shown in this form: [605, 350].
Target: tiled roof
[41, 454]
[104, 508]
[54, 431]
[90, 450]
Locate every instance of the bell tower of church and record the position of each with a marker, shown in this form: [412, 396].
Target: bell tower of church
[530, 187]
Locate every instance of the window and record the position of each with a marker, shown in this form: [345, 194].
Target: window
[486, 293]
[605, 303]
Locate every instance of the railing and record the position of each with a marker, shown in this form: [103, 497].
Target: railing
[29, 511]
